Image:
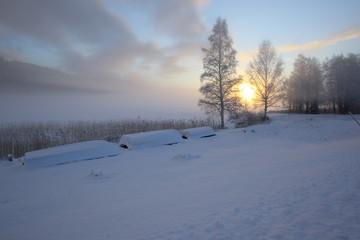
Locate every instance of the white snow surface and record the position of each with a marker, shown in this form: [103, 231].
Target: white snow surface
[199, 132]
[296, 177]
[151, 139]
[70, 153]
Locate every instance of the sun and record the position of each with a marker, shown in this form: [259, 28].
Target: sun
[247, 92]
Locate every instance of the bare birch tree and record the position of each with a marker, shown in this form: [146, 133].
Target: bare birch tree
[265, 73]
[219, 78]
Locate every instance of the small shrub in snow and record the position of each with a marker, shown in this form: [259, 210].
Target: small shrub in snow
[96, 174]
[185, 157]
[244, 119]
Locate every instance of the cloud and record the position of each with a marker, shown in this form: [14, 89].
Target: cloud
[335, 39]
[180, 19]
[96, 43]
[173, 60]
[89, 37]
[60, 21]
[173, 18]
[80, 31]
[12, 55]
[184, 30]
[9, 51]
[247, 56]
[20, 77]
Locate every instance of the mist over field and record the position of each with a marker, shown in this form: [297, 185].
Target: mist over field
[139, 119]
[72, 60]
[82, 106]
[34, 93]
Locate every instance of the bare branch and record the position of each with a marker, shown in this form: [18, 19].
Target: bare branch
[265, 73]
[219, 77]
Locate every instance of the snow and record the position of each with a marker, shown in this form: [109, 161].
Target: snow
[296, 177]
[150, 139]
[199, 132]
[70, 153]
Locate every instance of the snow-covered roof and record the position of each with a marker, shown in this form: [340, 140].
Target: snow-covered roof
[70, 153]
[199, 132]
[150, 139]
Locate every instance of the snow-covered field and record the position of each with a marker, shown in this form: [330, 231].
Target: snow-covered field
[297, 177]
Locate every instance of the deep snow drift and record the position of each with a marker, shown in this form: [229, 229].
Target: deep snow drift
[294, 178]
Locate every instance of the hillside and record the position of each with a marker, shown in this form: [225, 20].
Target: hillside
[296, 177]
[22, 77]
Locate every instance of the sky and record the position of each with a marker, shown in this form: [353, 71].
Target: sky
[143, 58]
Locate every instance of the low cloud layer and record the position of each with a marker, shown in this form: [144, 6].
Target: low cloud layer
[87, 37]
[108, 69]
[333, 40]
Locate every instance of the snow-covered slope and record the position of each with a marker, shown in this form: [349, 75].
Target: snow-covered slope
[296, 177]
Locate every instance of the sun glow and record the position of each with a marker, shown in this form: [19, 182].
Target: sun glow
[247, 92]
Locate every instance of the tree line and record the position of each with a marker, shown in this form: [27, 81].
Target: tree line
[332, 86]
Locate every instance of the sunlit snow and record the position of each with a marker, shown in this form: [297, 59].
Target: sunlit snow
[296, 177]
